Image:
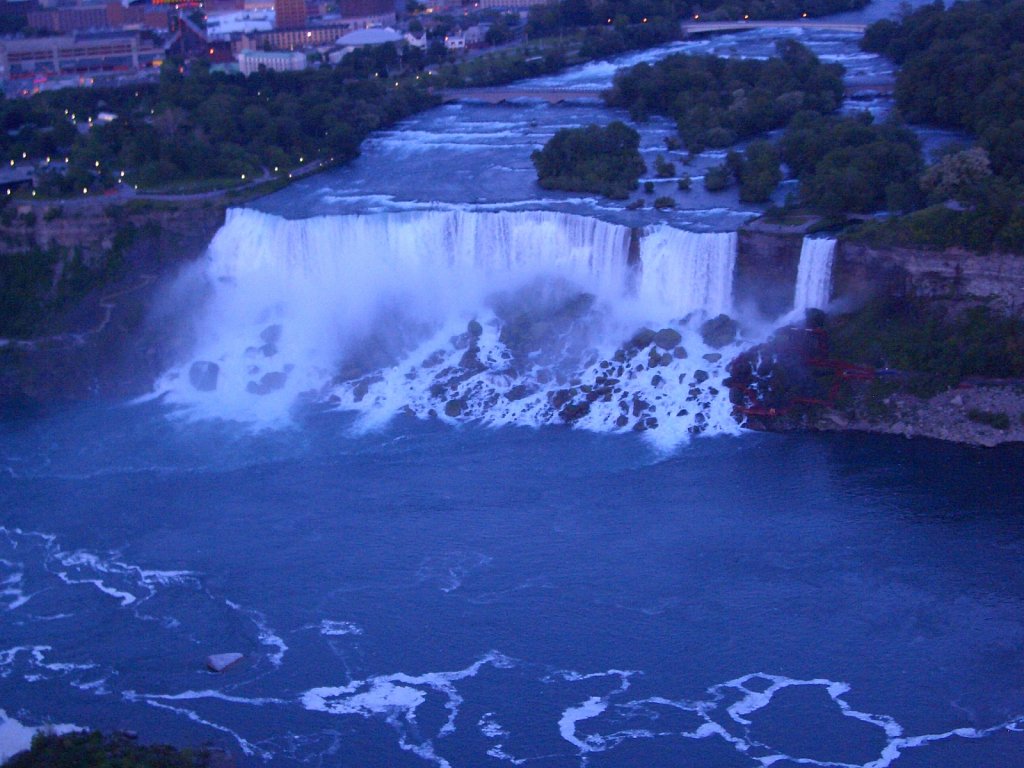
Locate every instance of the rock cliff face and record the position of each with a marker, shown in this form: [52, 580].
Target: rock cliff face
[766, 264]
[767, 260]
[979, 412]
[92, 230]
[954, 275]
[105, 342]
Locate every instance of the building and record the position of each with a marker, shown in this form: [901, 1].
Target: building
[250, 61]
[292, 39]
[361, 14]
[78, 54]
[63, 20]
[362, 38]
[476, 35]
[290, 14]
[512, 5]
[222, 26]
[112, 15]
[376, 36]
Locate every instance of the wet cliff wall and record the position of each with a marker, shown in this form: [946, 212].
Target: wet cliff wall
[84, 280]
[767, 261]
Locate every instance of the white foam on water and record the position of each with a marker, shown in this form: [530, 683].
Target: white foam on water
[591, 708]
[396, 698]
[254, 701]
[12, 588]
[244, 744]
[337, 628]
[266, 634]
[448, 570]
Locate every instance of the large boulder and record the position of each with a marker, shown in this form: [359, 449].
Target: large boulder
[203, 375]
[719, 331]
[218, 662]
[269, 382]
[667, 338]
[642, 338]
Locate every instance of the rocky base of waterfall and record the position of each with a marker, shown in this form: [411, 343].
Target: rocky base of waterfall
[791, 383]
[556, 366]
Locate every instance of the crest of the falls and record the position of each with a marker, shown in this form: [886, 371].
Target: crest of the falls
[689, 271]
[510, 317]
[814, 273]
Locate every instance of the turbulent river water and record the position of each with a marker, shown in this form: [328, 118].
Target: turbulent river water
[359, 475]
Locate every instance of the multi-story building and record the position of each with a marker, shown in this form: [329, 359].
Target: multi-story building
[78, 54]
[290, 14]
[250, 61]
[112, 15]
[361, 14]
[512, 5]
[292, 39]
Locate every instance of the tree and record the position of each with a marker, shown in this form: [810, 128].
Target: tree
[957, 176]
[757, 170]
[591, 159]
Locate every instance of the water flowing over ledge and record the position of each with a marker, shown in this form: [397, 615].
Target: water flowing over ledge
[531, 317]
[814, 273]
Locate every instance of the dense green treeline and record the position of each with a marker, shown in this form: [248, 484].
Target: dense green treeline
[962, 68]
[716, 102]
[851, 164]
[941, 347]
[203, 127]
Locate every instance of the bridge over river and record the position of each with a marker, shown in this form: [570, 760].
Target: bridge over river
[501, 94]
[691, 28]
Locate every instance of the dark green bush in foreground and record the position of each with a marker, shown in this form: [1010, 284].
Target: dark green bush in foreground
[94, 750]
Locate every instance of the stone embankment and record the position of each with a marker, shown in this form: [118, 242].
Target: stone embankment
[983, 414]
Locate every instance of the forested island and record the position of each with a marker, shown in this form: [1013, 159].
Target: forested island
[959, 69]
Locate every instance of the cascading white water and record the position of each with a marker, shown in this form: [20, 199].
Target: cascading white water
[687, 270]
[460, 314]
[814, 274]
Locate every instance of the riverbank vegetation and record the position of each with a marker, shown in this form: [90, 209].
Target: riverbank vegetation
[933, 347]
[201, 127]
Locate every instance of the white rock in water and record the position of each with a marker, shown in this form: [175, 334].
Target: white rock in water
[218, 662]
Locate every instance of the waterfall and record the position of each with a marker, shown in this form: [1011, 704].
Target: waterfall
[687, 270]
[508, 317]
[814, 274]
